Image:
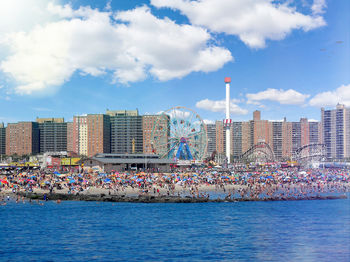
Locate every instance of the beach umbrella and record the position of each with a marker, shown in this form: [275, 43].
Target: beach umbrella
[71, 181]
[107, 180]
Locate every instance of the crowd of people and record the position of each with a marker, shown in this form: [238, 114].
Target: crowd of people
[236, 183]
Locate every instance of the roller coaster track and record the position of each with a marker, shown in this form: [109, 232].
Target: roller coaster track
[310, 152]
[260, 147]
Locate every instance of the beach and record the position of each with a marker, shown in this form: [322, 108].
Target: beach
[197, 184]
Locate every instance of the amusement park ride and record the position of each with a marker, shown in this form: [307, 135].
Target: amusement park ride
[180, 134]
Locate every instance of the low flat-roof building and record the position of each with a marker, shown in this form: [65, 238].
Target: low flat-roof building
[124, 162]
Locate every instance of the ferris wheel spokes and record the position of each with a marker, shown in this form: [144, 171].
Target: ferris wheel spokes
[171, 149]
[188, 126]
[183, 137]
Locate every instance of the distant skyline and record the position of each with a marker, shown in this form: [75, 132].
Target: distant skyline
[62, 58]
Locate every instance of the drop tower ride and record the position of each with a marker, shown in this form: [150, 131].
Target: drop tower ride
[227, 120]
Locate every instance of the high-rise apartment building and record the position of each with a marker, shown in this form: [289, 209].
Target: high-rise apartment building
[304, 132]
[80, 135]
[22, 138]
[98, 134]
[296, 136]
[70, 137]
[52, 134]
[149, 122]
[2, 139]
[239, 133]
[314, 133]
[220, 137]
[50, 120]
[287, 145]
[246, 136]
[237, 138]
[336, 132]
[256, 115]
[277, 139]
[126, 131]
[211, 135]
[262, 130]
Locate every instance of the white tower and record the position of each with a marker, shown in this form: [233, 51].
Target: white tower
[228, 121]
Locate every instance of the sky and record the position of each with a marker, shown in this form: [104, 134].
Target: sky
[63, 58]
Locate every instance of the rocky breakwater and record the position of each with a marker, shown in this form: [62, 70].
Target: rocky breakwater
[161, 198]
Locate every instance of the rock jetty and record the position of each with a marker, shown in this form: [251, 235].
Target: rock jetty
[161, 198]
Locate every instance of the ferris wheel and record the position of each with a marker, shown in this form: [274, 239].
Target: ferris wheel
[180, 134]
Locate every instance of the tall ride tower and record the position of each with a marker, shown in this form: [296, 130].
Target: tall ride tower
[227, 120]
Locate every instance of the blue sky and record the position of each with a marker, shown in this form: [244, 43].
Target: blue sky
[65, 58]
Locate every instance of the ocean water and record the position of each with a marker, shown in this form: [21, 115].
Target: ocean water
[316, 230]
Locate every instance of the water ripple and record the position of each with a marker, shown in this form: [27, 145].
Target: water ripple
[244, 231]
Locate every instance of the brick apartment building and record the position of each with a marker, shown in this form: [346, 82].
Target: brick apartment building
[22, 138]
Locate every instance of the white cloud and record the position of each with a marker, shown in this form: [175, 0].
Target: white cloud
[278, 120]
[285, 97]
[176, 113]
[220, 106]
[318, 7]
[180, 49]
[180, 114]
[23, 15]
[208, 121]
[253, 21]
[249, 102]
[332, 98]
[42, 109]
[130, 44]
[108, 6]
